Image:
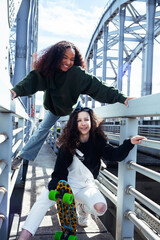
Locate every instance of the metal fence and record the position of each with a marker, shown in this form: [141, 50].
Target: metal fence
[149, 131]
[15, 129]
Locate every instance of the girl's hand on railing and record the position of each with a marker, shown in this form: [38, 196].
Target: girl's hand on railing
[14, 94]
[137, 139]
[126, 101]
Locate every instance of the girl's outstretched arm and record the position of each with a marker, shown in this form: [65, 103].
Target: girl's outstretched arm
[112, 153]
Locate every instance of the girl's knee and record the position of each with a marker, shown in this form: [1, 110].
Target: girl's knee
[100, 208]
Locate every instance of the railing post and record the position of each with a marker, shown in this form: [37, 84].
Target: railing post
[94, 66]
[55, 137]
[21, 45]
[21, 122]
[28, 130]
[122, 13]
[124, 228]
[6, 126]
[21, 134]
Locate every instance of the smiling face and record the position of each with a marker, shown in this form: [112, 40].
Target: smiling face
[68, 59]
[84, 125]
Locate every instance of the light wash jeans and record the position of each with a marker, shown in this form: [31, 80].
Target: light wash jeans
[32, 147]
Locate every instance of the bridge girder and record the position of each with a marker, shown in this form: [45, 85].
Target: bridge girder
[139, 25]
[23, 24]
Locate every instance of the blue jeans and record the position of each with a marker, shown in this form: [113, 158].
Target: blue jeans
[32, 147]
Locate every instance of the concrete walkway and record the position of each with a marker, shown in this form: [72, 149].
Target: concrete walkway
[38, 176]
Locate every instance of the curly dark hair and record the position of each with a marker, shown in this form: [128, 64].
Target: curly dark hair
[69, 138]
[49, 59]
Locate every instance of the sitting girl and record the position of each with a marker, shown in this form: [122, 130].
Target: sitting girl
[82, 145]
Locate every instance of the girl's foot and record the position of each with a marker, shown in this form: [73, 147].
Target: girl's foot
[83, 217]
[16, 162]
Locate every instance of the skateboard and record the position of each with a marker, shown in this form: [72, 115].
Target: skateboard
[66, 211]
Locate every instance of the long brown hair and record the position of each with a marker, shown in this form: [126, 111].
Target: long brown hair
[49, 59]
[70, 135]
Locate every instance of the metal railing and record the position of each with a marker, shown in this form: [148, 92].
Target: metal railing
[130, 213]
[15, 125]
[149, 131]
[15, 129]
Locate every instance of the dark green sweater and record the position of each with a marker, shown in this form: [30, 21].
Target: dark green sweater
[62, 92]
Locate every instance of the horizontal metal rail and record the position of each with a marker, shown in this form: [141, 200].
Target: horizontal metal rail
[2, 218]
[150, 131]
[16, 131]
[141, 226]
[110, 175]
[145, 143]
[151, 144]
[2, 193]
[143, 199]
[15, 147]
[117, 110]
[106, 192]
[149, 218]
[3, 137]
[144, 171]
[107, 183]
[3, 164]
[112, 136]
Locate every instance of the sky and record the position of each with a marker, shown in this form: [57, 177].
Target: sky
[72, 20]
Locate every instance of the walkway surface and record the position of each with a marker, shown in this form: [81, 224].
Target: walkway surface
[38, 176]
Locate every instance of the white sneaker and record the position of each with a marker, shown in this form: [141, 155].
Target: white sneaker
[83, 217]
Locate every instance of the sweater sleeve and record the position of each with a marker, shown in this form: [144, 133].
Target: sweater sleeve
[99, 90]
[117, 154]
[32, 83]
[61, 168]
